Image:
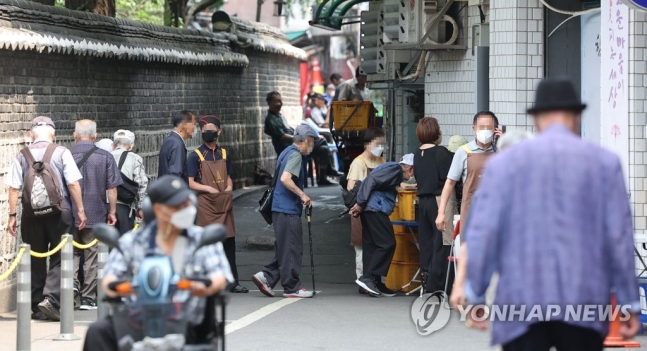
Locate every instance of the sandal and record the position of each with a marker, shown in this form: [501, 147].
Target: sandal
[239, 289]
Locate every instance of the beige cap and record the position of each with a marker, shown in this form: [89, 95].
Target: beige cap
[455, 142]
[124, 134]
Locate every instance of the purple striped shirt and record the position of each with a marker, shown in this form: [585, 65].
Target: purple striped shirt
[552, 217]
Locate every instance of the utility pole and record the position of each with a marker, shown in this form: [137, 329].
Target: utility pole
[259, 5]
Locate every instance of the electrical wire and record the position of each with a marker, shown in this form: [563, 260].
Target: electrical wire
[572, 13]
[563, 12]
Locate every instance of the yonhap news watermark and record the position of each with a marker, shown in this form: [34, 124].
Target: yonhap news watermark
[431, 312]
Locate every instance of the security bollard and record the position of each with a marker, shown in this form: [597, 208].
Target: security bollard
[102, 259]
[67, 291]
[23, 339]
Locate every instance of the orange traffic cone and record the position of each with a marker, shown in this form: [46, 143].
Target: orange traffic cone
[614, 339]
[317, 79]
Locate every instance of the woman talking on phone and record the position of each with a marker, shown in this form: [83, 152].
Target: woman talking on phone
[432, 163]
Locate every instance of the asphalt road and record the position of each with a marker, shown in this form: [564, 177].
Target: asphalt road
[338, 318]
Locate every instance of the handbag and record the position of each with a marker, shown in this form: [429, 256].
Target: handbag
[265, 204]
[350, 196]
[127, 191]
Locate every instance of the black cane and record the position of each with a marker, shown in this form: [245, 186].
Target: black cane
[312, 262]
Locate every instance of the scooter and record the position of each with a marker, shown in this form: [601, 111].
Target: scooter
[154, 321]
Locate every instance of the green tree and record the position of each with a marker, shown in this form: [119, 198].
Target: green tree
[147, 11]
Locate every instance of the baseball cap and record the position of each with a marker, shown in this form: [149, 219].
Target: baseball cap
[169, 190]
[42, 121]
[304, 129]
[104, 144]
[204, 120]
[124, 134]
[407, 160]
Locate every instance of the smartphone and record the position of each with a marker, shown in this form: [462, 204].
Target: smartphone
[503, 129]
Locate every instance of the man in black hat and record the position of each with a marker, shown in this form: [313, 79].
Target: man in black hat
[552, 217]
[172, 230]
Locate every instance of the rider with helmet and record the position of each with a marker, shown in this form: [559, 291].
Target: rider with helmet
[172, 233]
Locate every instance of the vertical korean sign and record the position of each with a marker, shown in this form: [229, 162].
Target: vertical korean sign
[614, 83]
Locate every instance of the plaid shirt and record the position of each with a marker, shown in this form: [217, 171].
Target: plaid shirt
[100, 173]
[209, 260]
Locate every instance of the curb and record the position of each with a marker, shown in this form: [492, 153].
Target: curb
[244, 192]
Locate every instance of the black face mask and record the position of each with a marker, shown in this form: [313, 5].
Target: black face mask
[209, 136]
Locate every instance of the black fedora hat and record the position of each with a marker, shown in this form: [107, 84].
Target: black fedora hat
[556, 94]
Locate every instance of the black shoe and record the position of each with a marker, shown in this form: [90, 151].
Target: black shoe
[362, 291]
[239, 289]
[325, 182]
[77, 297]
[39, 316]
[88, 304]
[385, 290]
[49, 309]
[368, 285]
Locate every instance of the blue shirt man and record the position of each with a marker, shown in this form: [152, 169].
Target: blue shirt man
[287, 206]
[553, 219]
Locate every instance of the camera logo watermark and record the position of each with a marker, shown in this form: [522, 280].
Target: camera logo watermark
[430, 313]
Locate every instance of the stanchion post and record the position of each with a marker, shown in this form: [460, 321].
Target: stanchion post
[67, 291]
[103, 258]
[23, 337]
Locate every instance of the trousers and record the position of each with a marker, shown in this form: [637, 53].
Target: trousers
[288, 255]
[125, 221]
[43, 234]
[564, 337]
[230, 251]
[378, 244]
[90, 265]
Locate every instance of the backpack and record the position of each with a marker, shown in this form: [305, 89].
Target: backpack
[41, 195]
[128, 190]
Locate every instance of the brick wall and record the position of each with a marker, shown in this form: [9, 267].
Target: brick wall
[142, 97]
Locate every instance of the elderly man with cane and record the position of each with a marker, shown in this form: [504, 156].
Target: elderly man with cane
[559, 235]
[287, 206]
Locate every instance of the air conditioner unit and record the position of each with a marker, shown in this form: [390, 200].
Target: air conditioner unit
[415, 17]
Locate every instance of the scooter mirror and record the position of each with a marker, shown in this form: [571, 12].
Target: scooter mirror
[147, 208]
[213, 233]
[107, 235]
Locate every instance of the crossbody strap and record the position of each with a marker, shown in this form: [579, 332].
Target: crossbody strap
[122, 159]
[86, 156]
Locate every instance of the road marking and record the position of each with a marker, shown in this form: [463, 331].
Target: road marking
[260, 314]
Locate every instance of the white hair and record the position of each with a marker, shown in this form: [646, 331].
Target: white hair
[123, 142]
[43, 131]
[87, 130]
[513, 137]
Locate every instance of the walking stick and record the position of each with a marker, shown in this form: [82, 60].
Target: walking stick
[312, 262]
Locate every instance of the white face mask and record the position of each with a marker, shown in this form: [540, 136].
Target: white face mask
[310, 149]
[484, 136]
[377, 151]
[184, 218]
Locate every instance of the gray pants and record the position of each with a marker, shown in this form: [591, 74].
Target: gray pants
[286, 264]
[90, 267]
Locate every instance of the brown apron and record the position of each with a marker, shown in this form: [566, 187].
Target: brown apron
[475, 168]
[218, 207]
[356, 223]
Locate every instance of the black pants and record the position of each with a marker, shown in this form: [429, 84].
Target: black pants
[125, 222]
[378, 244]
[44, 234]
[564, 337]
[230, 251]
[433, 254]
[321, 154]
[286, 264]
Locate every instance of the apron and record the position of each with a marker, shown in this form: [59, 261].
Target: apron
[356, 223]
[216, 208]
[475, 167]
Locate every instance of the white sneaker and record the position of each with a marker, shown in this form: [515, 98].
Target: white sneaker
[303, 294]
[260, 281]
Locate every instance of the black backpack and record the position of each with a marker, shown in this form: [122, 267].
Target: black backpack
[127, 191]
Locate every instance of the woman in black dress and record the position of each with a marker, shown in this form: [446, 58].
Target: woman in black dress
[431, 165]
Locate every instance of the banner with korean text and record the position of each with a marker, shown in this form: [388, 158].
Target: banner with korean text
[614, 85]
